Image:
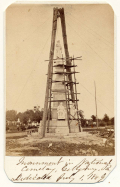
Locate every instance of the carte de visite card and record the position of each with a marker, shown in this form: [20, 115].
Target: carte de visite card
[60, 118]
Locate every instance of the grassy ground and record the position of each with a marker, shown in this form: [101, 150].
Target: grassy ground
[84, 145]
[65, 149]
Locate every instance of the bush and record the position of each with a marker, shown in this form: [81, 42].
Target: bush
[31, 127]
[7, 128]
[112, 121]
[102, 124]
[23, 128]
[109, 123]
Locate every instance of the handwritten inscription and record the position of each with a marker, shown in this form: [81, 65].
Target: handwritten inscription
[62, 170]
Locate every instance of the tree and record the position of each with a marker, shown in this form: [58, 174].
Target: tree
[30, 114]
[106, 118]
[37, 116]
[11, 115]
[25, 118]
[41, 114]
[93, 118]
[20, 116]
[112, 121]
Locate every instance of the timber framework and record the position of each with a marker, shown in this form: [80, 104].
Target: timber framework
[66, 97]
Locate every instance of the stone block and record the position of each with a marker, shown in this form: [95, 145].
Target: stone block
[58, 126]
[52, 130]
[53, 123]
[62, 123]
[54, 113]
[62, 130]
[74, 126]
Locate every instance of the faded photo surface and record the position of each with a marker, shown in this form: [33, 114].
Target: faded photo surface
[60, 80]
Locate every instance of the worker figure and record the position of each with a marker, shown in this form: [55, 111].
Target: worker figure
[73, 112]
[61, 111]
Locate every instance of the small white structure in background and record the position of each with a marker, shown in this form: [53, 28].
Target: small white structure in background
[18, 120]
[29, 122]
[86, 122]
[36, 108]
[33, 123]
[73, 112]
[94, 123]
[61, 111]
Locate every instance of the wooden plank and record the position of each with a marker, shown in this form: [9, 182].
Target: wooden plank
[62, 100]
[72, 72]
[60, 91]
[54, 27]
[68, 61]
[68, 82]
[70, 58]
[76, 98]
[57, 100]
[66, 66]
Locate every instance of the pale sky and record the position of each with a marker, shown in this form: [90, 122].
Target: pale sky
[90, 34]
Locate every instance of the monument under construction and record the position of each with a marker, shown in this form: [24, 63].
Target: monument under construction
[61, 114]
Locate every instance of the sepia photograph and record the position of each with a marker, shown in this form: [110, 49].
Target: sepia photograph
[59, 80]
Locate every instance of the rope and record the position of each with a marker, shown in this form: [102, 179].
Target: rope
[91, 48]
[89, 29]
[94, 96]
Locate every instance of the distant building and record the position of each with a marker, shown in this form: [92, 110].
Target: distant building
[36, 108]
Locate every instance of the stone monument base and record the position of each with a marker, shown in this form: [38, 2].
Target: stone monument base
[58, 126]
[74, 127]
[61, 127]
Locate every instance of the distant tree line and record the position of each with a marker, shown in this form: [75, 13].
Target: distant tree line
[36, 116]
[105, 121]
[12, 115]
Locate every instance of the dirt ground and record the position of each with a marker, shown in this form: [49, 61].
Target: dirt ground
[79, 144]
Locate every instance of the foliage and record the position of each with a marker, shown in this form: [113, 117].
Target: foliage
[31, 127]
[112, 121]
[106, 118]
[7, 128]
[22, 128]
[93, 118]
[102, 124]
[11, 115]
[80, 113]
[83, 122]
[109, 123]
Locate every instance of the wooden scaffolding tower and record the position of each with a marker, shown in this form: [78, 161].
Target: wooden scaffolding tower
[68, 70]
